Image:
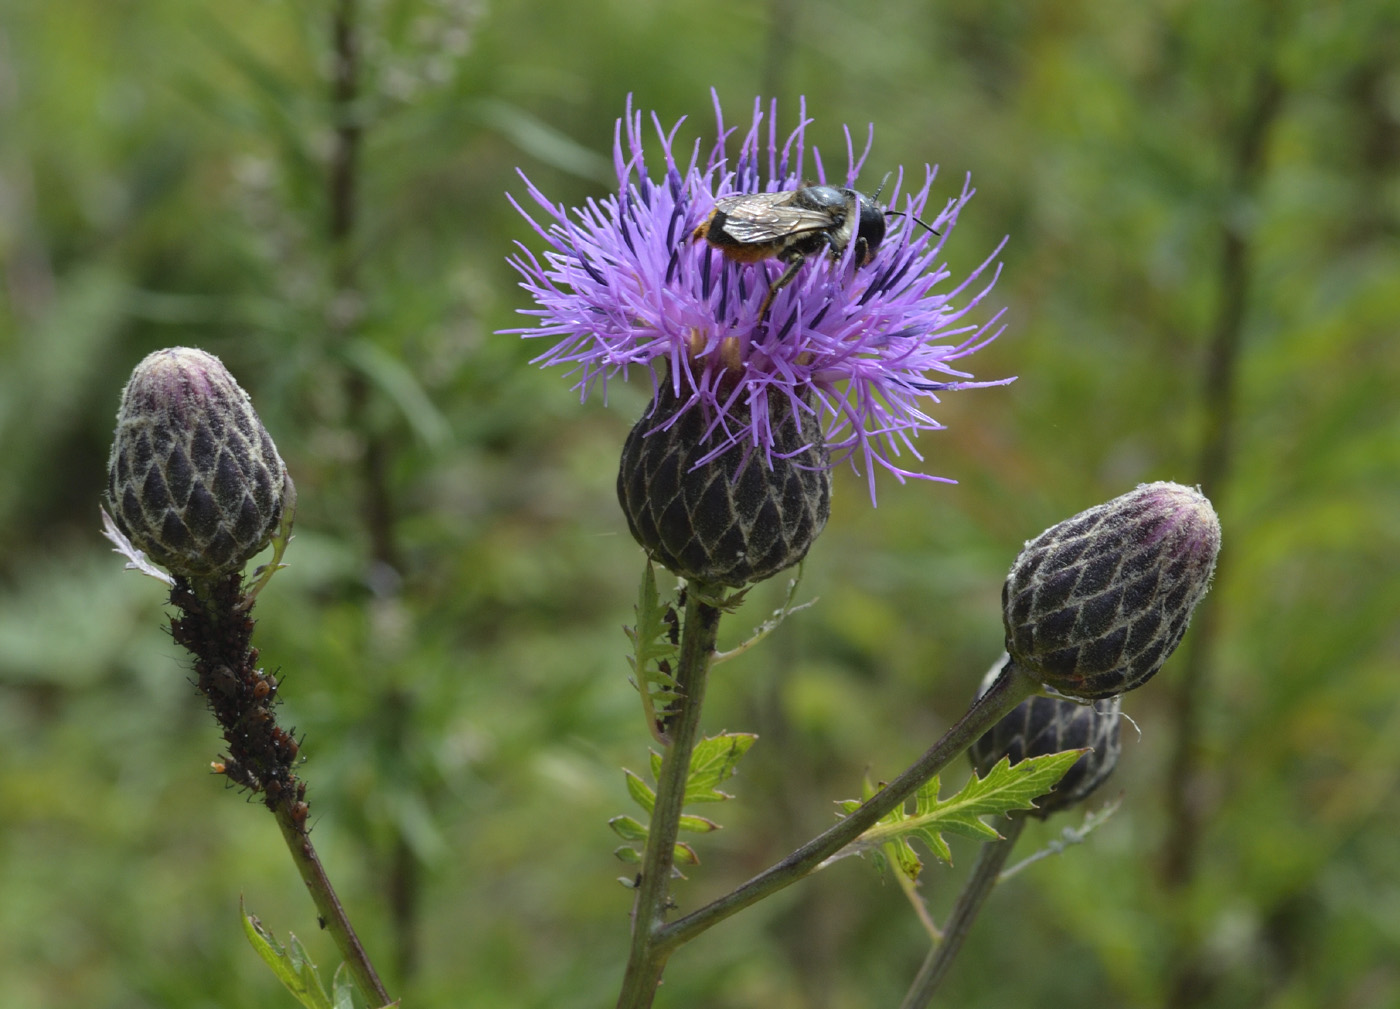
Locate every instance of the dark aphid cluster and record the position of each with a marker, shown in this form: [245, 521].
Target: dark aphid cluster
[261, 755]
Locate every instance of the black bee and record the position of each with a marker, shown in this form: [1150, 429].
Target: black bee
[793, 224]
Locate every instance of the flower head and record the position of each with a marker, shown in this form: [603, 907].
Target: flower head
[861, 339]
[193, 478]
[1095, 604]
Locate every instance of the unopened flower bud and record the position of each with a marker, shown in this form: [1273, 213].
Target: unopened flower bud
[738, 518]
[193, 480]
[1044, 725]
[1095, 605]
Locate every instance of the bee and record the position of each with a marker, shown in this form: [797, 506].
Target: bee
[793, 224]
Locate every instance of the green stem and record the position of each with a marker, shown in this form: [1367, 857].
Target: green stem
[647, 958]
[1013, 687]
[984, 876]
[337, 923]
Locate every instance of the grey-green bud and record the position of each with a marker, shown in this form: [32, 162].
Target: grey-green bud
[1095, 604]
[731, 520]
[1044, 725]
[193, 480]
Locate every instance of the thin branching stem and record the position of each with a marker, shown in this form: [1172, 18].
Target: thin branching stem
[916, 901]
[1013, 687]
[974, 892]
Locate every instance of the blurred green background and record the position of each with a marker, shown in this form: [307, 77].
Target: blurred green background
[1203, 284]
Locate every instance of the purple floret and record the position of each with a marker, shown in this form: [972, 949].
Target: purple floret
[623, 283]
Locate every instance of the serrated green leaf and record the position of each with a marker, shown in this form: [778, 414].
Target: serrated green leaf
[971, 827]
[628, 854]
[1009, 787]
[713, 762]
[937, 846]
[292, 966]
[628, 829]
[926, 798]
[653, 650]
[878, 858]
[641, 793]
[1005, 789]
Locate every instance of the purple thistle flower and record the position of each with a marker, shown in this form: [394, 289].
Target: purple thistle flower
[623, 283]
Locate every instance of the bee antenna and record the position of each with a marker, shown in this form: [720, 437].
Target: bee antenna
[901, 213]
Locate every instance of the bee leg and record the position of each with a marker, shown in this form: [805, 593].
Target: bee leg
[793, 265]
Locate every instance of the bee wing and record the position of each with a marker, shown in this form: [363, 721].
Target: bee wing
[760, 218]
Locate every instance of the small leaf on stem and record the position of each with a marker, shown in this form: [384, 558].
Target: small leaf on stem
[698, 824]
[713, 762]
[292, 966]
[642, 793]
[654, 648]
[1006, 788]
[685, 855]
[627, 828]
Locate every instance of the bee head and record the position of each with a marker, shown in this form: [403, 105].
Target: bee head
[870, 231]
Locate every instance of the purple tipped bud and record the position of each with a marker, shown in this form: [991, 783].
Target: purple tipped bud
[1095, 605]
[1044, 725]
[740, 517]
[193, 478]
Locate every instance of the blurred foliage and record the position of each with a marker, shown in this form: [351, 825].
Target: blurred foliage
[1168, 173]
